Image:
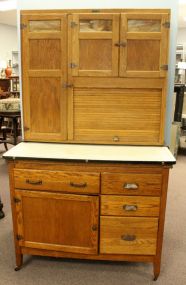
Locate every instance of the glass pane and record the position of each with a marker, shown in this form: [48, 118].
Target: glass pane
[95, 25]
[144, 25]
[44, 26]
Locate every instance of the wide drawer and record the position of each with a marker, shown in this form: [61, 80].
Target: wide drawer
[130, 206]
[131, 183]
[128, 235]
[73, 182]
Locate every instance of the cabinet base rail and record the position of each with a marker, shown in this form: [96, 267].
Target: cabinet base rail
[101, 257]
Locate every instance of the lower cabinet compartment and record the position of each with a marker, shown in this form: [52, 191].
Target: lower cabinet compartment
[61, 222]
[128, 235]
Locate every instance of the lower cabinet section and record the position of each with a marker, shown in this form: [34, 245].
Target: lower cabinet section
[131, 235]
[91, 210]
[62, 222]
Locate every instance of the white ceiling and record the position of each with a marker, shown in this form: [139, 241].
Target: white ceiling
[10, 17]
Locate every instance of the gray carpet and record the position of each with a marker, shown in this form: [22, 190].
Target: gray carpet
[51, 271]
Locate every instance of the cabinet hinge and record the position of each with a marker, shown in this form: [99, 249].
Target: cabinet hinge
[73, 65]
[66, 85]
[165, 67]
[19, 237]
[26, 128]
[73, 24]
[166, 25]
[23, 26]
[16, 200]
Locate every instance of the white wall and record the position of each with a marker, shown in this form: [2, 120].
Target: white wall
[9, 41]
[171, 4]
[181, 36]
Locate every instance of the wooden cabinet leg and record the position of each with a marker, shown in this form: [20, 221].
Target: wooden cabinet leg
[19, 261]
[156, 266]
[1, 210]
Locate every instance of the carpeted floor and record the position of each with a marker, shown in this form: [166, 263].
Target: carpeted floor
[51, 271]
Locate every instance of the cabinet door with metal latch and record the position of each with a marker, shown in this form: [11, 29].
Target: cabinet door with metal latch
[144, 44]
[53, 221]
[44, 65]
[94, 44]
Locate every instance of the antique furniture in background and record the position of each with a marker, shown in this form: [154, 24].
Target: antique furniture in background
[1, 210]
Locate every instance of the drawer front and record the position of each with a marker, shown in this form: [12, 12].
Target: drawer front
[130, 206]
[73, 182]
[131, 184]
[128, 235]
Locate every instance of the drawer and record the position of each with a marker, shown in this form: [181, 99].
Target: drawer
[130, 206]
[128, 235]
[131, 184]
[63, 181]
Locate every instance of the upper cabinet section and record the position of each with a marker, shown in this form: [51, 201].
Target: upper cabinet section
[144, 45]
[124, 45]
[94, 39]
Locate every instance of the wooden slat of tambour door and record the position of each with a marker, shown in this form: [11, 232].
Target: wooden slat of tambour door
[101, 114]
[44, 80]
[114, 232]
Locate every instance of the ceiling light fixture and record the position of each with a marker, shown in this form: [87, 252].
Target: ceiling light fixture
[7, 5]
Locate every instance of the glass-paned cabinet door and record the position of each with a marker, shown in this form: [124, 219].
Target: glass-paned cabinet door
[93, 48]
[144, 46]
[44, 64]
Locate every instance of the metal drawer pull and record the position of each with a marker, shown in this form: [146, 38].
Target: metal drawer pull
[130, 186]
[130, 207]
[128, 237]
[38, 182]
[81, 185]
[115, 139]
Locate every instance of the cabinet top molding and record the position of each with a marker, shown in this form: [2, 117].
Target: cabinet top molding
[94, 10]
[142, 154]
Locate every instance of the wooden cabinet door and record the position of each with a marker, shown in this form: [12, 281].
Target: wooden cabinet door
[93, 44]
[117, 116]
[144, 45]
[44, 66]
[61, 222]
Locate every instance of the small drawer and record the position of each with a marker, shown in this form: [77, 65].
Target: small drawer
[131, 184]
[130, 206]
[72, 182]
[127, 235]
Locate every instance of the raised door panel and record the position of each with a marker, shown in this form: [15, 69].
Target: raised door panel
[44, 71]
[117, 116]
[62, 222]
[144, 49]
[93, 50]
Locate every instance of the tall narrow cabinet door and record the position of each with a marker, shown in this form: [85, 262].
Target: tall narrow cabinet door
[94, 50]
[144, 49]
[44, 69]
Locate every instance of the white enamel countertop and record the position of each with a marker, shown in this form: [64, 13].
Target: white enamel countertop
[55, 151]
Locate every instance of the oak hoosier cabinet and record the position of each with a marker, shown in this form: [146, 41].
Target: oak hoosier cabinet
[94, 93]
[95, 77]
